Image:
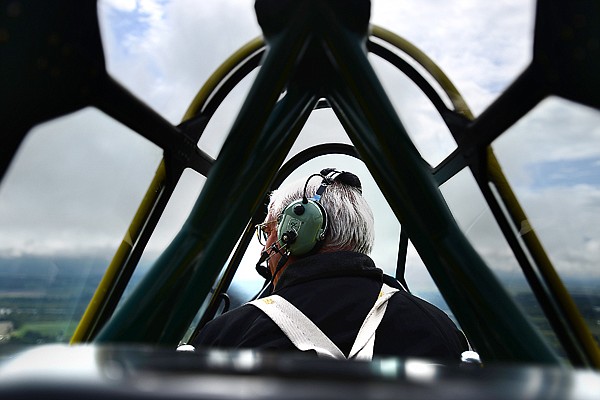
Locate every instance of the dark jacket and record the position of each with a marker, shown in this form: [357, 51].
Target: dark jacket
[336, 291]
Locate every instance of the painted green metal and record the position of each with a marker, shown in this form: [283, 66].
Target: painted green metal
[553, 297]
[165, 302]
[91, 316]
[581, 339]
[483, 307]
[329, 39]
[53, 64]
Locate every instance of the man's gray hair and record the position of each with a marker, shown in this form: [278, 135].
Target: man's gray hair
[351, 224]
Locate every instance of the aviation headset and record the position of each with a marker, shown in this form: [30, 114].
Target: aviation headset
[303, 223]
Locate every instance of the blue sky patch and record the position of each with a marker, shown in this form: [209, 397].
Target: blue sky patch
[127, 24]
[566, 172]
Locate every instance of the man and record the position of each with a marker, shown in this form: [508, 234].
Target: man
[328, 295]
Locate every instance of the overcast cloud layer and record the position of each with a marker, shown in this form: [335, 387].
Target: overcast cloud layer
[164, 51]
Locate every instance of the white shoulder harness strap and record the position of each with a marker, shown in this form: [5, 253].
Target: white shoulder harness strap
[305, 335]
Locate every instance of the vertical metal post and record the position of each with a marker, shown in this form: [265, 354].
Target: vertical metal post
[165, 302]
[484, 309]
[329, 35]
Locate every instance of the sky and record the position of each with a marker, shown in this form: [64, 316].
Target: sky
[163, 51]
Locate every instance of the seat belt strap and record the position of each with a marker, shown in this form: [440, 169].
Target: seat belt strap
[301, 331]
[362, 349]
[305, 335]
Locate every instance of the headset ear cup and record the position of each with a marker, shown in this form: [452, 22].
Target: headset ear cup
[304, 223]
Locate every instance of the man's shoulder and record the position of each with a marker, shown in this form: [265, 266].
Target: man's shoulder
[405, 299]
[244, 314]
[228, 326]
[406, 308]
[430, 330]
[244, 327]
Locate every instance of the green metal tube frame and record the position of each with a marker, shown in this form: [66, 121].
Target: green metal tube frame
[360, 120]
[161, 309]
[497, 178]
[408, 186]
[85, 328]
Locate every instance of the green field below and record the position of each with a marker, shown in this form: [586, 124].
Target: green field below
[44, 332]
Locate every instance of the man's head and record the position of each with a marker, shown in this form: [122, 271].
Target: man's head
[350, 224]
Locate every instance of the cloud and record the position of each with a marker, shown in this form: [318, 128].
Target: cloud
[163, 52]
[178, 208]
[562, 202]
[555, 130]
[181, 44]
[121, 5]
[481, 46]
[567, 220]
[420, 119]
[70, 186]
